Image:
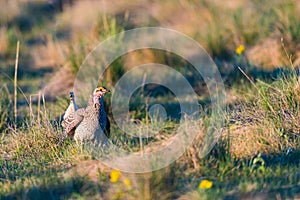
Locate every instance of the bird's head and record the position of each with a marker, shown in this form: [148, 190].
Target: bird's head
[71, 96]
[99, 93]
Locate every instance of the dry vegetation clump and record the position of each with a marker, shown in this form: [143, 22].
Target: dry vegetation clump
[246, 141]
[266, 121]
[41, 144]
[35, 147]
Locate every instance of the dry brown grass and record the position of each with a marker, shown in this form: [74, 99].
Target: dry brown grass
[268, 54]
[220, 27]
[3, 40]
[60, 84]
[266, 121]
[246, 141]
[9, 10]
[52, 53]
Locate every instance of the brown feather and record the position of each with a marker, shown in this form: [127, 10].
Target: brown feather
[72, 121]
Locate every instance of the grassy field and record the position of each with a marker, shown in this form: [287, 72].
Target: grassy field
[255, 46]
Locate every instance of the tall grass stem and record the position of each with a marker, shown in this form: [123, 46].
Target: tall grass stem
[39, 109]
[15, 84]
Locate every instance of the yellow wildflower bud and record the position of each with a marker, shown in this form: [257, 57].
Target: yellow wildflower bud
[240, 49]
[205, 184]
[114, 175]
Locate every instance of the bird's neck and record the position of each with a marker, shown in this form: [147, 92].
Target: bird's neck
[74, 104]
[98, 101]
[101, 104]
[101, 101]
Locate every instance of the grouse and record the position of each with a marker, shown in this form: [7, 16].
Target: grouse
[90, 123]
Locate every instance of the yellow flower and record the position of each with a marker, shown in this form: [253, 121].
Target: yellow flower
[240, 49]
[127, 182]
[114, 175]
[205, 184]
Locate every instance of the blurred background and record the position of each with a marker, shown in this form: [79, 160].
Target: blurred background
[257, 154]
[55, 36]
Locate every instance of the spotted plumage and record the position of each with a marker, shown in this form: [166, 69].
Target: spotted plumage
[90, 123]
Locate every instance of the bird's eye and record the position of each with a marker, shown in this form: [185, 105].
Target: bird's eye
[100, 90]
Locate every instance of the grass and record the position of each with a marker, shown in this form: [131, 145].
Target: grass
[34, 159]
[6, 107]
[257, 153]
